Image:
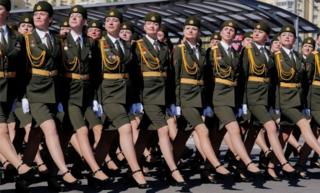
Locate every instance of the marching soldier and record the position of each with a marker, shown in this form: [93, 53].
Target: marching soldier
[215, 39]
[225, 63]
[44, 59]
[192, 74]
[258, 70]
[153, 58]
[80, 69]
[11, 80]
[117, 71]
[290, 69]
[126, 31]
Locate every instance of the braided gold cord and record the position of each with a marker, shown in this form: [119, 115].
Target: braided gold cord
[223, 73]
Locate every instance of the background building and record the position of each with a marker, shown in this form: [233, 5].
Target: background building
[30, 3]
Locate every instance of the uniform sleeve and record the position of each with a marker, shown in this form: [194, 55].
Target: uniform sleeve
[170, 85]
[177, 70]
[22, 69]
[136, 75]
[96, 70]
[242, 78]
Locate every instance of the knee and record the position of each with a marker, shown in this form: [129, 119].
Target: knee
[82, 131]
[125, 130]
[163, 132]
[202, 131]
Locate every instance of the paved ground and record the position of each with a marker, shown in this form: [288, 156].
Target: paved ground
[121, 185]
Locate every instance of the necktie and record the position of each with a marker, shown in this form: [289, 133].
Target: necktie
[230, 52]
[262, 51]
[3, 39]
[292, 56]
[195, 51]
[119, 49]
[48, 41]
[78, 42]
[156, 46]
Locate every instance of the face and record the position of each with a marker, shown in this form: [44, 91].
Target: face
[112, 25]
[227, 34]
[126, 35]
[3, 14]
[25, 28]
[41, 19]
[275, 46]
[259, 36]
[191, 32]
[246, 41]
[214, 42]
[236, 43]
[287, 39]
[64, 30]
[151, 28]
[94, 33]
[76, 21]
[307, 49]
[161, 37]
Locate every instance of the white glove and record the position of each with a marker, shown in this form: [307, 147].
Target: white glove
[60, 108]
[239, 113]
[178, 111]
[306, 112]
[25, 105]
[99, 113]
[139, 108]
[172, 110]
[133, 109]
[245, 109]
[277, 111]
[95, 106]
[13, 108]
[208, 112]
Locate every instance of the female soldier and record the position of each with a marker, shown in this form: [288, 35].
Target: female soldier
[44, 58]
[190, 70]
[116, 66]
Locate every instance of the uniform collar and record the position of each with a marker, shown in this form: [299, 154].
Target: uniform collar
[42, 34]
[150, 39]
[5, 29]
[225, 45]
[287, 50]
[75, 36]
[259, 46]
[113, 39]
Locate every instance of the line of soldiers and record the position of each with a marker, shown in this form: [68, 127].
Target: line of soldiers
[136, 96]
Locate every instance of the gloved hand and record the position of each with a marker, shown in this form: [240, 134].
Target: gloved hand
[95, 106]
[306, 112]
[25, 105]
[99, 113]
[178, 111]
[239, 113]
[245, 109]
[277, 111]
[208, 112]
[13, 108]
[60, 107]
[133, 109]
[172, 110]
[139, 108]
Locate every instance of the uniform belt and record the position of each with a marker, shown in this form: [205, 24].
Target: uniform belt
[44, 72]
[77, 76]
[191, 81]
[7, 74]
[258, 79]
[115, 75]
[154, 74]
[290, 85]
[316, 83]
[225, 82]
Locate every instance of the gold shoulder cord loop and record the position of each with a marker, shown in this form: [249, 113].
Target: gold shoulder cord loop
[192, 70]
[109, 64]
[152, 65]
[254, 68]
[222, 72]
[283, 74]
[317, 62]
[71, 66]
[33, 58]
